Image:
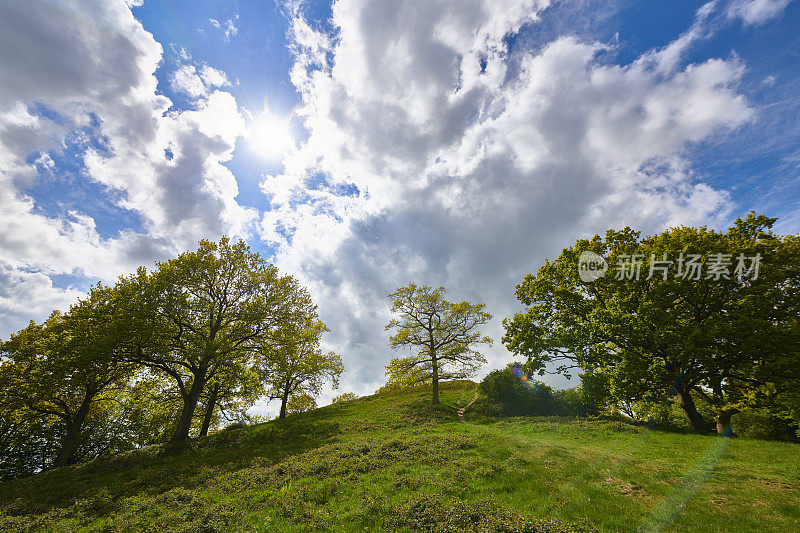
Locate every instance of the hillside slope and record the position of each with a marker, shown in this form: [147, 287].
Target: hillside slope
[392, 462]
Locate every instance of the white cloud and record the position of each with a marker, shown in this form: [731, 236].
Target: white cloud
[441, 163]
[469, 175]
[228, 26]
[213, 77]
[755, 12]
[166, 166]
[186, 79]
[27, 294]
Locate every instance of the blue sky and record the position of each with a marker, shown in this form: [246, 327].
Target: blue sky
[365, 144]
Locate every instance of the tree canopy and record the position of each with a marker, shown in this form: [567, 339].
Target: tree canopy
[201, 317]
[293, 364]
[657, 325]
[160, 355]
[57, 372]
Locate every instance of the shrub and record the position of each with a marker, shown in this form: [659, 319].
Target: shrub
[483, 409]
[515, 396]
[596, 392]
[570, 402]
[346, 397]
[239, 424]
[760, 425]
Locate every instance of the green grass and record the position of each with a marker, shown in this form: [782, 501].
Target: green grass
[392, 462]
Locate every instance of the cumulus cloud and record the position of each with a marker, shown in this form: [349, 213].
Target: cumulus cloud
[27, 294]
[442, 165]
[163, 164]
[434, 154]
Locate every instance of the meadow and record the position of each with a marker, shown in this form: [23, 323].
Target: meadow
[393, 462]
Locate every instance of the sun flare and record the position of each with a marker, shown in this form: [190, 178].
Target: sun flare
[270, 136]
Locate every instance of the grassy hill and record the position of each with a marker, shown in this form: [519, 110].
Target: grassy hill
[392, 462]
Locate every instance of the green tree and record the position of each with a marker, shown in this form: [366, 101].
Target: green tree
[60, 370]
[200, 317]
[731, 340]
[444, 333]
[227, 398]
[300, 403]
[292, 361]
[345, 397]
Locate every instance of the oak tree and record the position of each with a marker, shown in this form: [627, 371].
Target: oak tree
[59, 371]
[443, 335]
[200, 317]
[729, 334]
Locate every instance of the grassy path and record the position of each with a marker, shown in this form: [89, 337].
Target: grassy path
[462, 409]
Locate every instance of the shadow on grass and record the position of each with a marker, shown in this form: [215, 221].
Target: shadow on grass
[159, 469]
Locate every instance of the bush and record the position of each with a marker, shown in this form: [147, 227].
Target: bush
[570, 402]
[239, 424]
[596, 393]
[760, 425]
[346, 397]
[515, 396]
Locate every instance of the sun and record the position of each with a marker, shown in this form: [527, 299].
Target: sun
[269, 136]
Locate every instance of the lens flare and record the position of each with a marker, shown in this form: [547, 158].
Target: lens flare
[270, 137]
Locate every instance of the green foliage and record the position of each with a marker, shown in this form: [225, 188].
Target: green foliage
[443, 334]
[430, 513]
[292, 362]
[570, 402]
[345, 397]
[761, 425]
[517, 397]
[201, 319]
[733, 341]
[300, 403]
[56, 377]
[160, 355]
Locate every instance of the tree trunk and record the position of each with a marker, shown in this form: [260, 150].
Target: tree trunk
[66, 451]
[187, 413]
[724, 422]
[212, 402]
[687, 403]
[435, 368]
[284, 401]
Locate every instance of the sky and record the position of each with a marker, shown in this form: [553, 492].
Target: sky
[362, 144]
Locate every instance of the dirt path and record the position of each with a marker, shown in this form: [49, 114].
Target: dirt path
[462, 409]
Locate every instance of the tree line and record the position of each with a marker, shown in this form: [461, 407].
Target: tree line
[163, 355]
[728, 340]
[159, 356]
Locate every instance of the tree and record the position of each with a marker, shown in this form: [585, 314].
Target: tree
[59, 371]
[293, 363]
[515, 394]
[300, 403]
[402, 373]
[228, 397]
[444, 333]
[731, 339]
[345, 397]
[200, 317]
